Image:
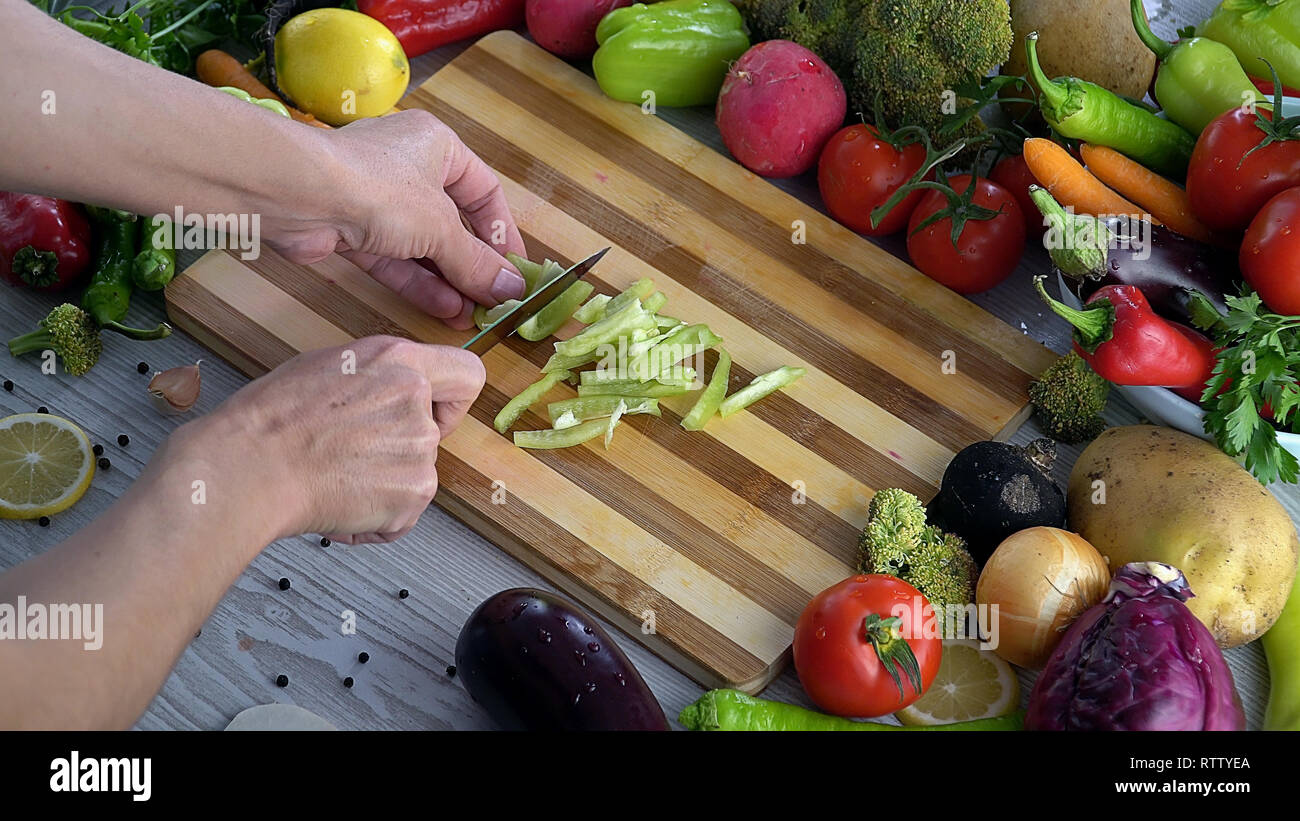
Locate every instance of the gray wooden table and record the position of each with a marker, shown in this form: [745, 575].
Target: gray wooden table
[259, 632]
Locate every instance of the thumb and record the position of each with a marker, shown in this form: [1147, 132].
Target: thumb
[473, 267]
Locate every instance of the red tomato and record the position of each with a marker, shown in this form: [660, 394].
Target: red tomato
[1013, 174]
[987, 250]
[1270, 253]
[1226, 192]
[837, 663]
[858, 171]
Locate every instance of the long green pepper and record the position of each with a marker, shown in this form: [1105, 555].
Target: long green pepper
[1255, 29]
[1081, 110]
[1198, 78]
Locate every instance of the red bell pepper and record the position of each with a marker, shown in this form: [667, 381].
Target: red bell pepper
[44, 242]
[1266, 88]
[423, 25]
[1127, 343]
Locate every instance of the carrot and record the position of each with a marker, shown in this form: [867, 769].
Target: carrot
[217, 68]
[1071, 184]
[1165, 200]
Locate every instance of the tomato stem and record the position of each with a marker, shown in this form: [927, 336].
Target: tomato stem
[886, 637]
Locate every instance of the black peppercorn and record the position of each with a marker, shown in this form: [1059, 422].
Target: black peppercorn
[284, 584]
[42, 409]
[403, 593]
[281, 680]
[123, 439]
[451, 671]
[44, 521]
[363, 657]
[9, 384]
[347, 682]
[143, 367]
[98, 450]
[104, 464]
[324, 542]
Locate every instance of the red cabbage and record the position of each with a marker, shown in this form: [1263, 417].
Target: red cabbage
[1139, 660]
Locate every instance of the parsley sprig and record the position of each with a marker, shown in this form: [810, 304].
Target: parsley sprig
[1255, 377]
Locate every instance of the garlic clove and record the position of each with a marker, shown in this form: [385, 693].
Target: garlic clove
[175, 390]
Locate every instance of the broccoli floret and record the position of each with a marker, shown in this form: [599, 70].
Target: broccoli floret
[907, 52]
[1068, 400]
[68, 331]
[897, 541]
[73, 334]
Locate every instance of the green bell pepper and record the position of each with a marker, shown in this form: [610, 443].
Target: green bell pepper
[765, 384]
[679, 50]
[515, 408]
[1259, 28]
[583, 408]
[1199, 78]
[551, 439]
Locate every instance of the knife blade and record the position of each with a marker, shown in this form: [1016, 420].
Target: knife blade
[483, 341]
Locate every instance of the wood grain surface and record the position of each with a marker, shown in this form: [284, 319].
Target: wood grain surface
[707, 546]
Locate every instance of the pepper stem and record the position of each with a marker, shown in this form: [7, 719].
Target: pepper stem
[1081, 251]
[892, 649]
[1145, 34]
[143, 334]
[1054, 93]
[1092, 326]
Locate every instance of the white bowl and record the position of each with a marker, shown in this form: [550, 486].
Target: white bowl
[1164, 407]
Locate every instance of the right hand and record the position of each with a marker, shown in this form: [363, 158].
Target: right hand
[350, 455]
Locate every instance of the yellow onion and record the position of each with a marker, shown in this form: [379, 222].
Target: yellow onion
[1041, 579]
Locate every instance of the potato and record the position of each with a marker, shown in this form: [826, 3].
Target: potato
[1168, 497]
[1092, 41]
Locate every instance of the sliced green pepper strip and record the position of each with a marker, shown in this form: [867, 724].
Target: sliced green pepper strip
[568, 363]
[551, 439]
[619, 410]
[706, 407]
[596, 407]
[593, 310]
[633, 388]
[638, 290]
[673, 376]
[668, 321]
[616, 324]
[515, 407]
[557, 312]
[655, 302]
[673, 347]
[484, 317]
[761, 386]
[565, 420]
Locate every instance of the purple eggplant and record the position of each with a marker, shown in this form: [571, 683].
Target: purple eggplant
[1139, 660]
[1168, 267]
[537, 661]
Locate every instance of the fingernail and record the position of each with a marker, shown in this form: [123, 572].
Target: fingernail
[507, 285]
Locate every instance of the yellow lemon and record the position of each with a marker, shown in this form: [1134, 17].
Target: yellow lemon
[971, 683]
[45, 465]
[340, 65]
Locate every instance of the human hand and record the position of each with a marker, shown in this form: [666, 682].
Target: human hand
[346, 438]
[401, 186]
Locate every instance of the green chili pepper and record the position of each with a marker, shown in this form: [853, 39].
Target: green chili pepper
[1198, 79]
[563, 438]
[1085, 111]
[761, 386]
[593, 309]
[269, 105]
[596, 407]
[674, 53]
[733, 710]
[515, 407]
[617, 324]
[109, 293]
[706, 407]
[1255, 29]
[557, 312]
[155, 265]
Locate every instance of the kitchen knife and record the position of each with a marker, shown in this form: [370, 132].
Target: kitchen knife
[483, 341]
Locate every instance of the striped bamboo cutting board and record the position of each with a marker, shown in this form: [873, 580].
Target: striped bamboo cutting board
[706, 546]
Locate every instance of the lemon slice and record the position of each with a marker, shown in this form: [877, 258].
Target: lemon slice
[971, 684]
[45, 465]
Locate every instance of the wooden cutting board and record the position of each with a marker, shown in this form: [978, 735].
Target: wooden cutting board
[705, 546]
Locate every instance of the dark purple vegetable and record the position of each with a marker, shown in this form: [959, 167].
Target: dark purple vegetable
[993, 489]
[1167, 266]
[1138, 661]
[537, 661]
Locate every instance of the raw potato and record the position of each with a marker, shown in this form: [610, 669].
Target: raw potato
[1173, 498]
[1093, 41]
